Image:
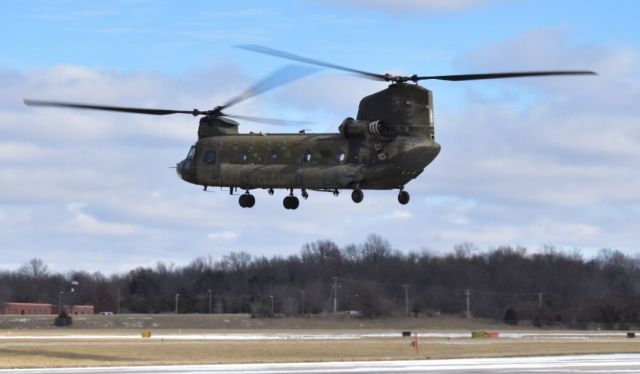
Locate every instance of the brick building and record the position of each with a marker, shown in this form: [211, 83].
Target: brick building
[34, 308]
[27, 308]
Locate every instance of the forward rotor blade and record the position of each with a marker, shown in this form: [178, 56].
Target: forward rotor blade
[306, 60]
[471, 77]
[278, 78]
[268, 121]
[158, 112]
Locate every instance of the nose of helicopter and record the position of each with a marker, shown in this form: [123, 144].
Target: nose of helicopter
[179, 168]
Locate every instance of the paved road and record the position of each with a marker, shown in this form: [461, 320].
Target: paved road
[613, 363]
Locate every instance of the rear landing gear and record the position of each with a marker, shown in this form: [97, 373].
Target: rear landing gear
[291, 202]
[247, 200]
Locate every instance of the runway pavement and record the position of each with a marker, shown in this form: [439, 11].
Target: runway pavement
[610, 363]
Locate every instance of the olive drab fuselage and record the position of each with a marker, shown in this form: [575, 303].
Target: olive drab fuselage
[389, 143]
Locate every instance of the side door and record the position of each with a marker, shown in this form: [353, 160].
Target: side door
[210, 165]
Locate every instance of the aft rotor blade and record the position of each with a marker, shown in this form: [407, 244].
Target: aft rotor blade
[158, 112]
[306, 60]
[268, 121]
[278, 78]
[471, 77]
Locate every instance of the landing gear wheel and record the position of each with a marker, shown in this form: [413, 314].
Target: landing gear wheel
[291, 202]
[270, 191]
[305, 194]
[403, 197]
[357, 195]
[336, 192]
[247, 200]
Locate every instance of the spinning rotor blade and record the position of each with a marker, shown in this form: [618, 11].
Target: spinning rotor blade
[306, 60]
[278, 78]
[159, 112]
[268, 121]
[413, 78]
[471, 77]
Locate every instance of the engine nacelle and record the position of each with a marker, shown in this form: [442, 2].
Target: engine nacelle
[216, 126]
[352, 128]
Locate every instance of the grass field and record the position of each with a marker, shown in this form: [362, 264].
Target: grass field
[45, 347]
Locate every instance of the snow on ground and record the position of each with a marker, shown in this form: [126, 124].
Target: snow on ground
[609, 363]
[308, 336]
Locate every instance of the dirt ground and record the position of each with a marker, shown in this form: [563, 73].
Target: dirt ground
[52, 353]
[32, 342]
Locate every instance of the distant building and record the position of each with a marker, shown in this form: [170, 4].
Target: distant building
[26, 308]
[33, 308]
[82, 309]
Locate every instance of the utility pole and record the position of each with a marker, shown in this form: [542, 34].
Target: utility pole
[302, 293]
[177, 297]
[406, 298]
[272, 309]
[540, 300]
[467, 293]
[335, 294]
[117, 300]
[209, 291]
[60, 301]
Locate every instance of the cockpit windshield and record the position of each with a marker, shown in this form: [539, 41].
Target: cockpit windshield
[186, 165]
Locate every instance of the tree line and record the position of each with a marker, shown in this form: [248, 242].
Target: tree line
[370, 279]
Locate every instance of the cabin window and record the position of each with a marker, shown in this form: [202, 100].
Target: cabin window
[210, 157]
[274, 156]
[243, 156]
[306, 157]
[341, 157]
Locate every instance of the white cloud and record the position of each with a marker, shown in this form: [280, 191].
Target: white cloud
[224, 235]
[15, 152]
[399, 215]
[84, 224]
[408, 6]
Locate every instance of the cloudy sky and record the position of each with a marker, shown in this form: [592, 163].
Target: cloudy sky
[524, 161]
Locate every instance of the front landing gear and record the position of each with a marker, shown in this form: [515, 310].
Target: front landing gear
[291, 202]
[247, 200]
[403, 197]
[357, 195]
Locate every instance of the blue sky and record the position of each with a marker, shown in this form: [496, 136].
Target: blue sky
[524, 162]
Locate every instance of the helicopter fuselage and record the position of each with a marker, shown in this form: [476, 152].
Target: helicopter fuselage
[389, 143]
[308, 161]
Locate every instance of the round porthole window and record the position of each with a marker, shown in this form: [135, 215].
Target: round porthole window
[274, 156]
[341, 157]
[243, 156]
[306, 157]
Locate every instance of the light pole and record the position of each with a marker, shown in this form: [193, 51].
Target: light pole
[302, 293]
[406, 299]
[271, 305]
[60, 301]
[209, 291]
[467, 293]
[177, 297]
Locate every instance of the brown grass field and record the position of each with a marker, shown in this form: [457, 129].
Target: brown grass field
[39, 347]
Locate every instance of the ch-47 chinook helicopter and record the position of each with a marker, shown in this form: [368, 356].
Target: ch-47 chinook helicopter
[388, 144]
